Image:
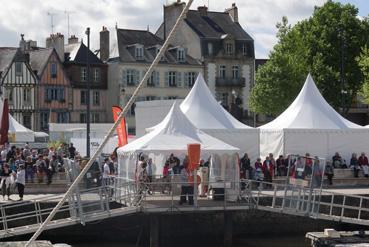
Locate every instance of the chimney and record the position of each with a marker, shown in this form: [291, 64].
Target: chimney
[72, 39]
[233, 12]
[56, 41]
[22, 43]
[104, 44]
[203, 10]
[171, 14]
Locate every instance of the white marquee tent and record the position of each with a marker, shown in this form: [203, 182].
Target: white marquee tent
[19, 133]
[205, 113]
[311, 125]
[172, 136]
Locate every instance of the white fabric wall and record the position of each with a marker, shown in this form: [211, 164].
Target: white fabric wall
[304, 141]
[247, 140]
[320, 142]
[271, 141]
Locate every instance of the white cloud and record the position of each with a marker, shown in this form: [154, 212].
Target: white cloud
[30, 17]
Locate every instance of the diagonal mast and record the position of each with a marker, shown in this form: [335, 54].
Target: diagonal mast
[111, 131]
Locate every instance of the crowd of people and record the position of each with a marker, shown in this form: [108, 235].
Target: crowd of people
[20, 166]
[299, 166]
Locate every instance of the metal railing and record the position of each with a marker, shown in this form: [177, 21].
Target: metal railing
[120, 196]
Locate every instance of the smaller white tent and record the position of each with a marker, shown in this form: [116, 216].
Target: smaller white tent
[19, 133]
[172, 135]
[311, 125]
[205, 113]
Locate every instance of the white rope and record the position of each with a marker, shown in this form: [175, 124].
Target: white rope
[111, 131]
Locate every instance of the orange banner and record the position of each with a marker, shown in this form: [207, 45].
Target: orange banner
[193, 155]
[121, 129]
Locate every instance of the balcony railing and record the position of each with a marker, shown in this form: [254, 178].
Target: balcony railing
[230, 82]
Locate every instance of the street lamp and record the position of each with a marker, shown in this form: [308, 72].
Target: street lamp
[88, 95]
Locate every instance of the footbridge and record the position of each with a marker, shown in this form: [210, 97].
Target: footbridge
[127, 198]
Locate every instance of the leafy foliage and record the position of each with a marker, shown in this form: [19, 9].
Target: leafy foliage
[323, 44]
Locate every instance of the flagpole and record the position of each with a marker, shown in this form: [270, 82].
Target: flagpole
[111, 131]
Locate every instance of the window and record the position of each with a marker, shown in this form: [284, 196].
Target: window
[54, 93]
[10, 94]
[53, 70]
[83, 74]
[82, 118]
[130, 77]
[229, 49]
[44, 120]
[18, 69]
[83, 97]
[222, 71]
[181, 55]
[95, 118]
[244, 49]
[172, 79]
[97, 75]
[62, 117]
[210, 49]
[154, 79]
[224, 99]
[27, 121]
[150, 98]
[27, 95]
[190, 79]
[96, 98]
[235, 72]
[139, 51]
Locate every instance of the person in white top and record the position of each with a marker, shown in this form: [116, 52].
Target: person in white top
[21, 181]
[106, 172]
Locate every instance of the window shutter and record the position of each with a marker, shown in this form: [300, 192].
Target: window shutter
[166, 79]
[157, 78]
[186, 84]
[124, 78]
[179, 79]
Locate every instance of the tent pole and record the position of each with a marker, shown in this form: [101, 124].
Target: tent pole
[111, 131]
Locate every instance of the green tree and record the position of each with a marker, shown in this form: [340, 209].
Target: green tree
[363, 61]
[326, 45]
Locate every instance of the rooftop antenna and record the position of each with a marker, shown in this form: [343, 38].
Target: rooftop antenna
[68, 13]
[52, 20]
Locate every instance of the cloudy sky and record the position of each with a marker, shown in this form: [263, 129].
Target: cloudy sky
[31, 17]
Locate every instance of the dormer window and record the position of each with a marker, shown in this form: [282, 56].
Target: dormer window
[229, 49]
[181, 55]
[244, 49]
[139, 52]
[210, 49]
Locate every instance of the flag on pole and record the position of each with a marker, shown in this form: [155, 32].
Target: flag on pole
[4, 122]
[121, 129]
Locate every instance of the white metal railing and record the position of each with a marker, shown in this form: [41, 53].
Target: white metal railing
[161, 196]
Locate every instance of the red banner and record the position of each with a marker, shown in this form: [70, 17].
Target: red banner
[121, 129]
[193, 155]
[4, 123]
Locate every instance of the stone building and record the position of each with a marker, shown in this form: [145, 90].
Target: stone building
[75, 63]
[225, 49]
[132, 54]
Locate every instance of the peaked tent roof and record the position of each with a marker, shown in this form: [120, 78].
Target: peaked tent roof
[201, 108]
[173, 134]
[310, 111]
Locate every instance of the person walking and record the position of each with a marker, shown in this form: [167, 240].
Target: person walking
[21, 181]
[5, 180]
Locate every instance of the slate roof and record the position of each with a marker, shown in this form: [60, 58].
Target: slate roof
[7, 55]
[215, 25]
[38, 59]
[126, 38]
[77, 53]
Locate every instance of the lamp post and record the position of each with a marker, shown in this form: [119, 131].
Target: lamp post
[342, 70]
[88, 142]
